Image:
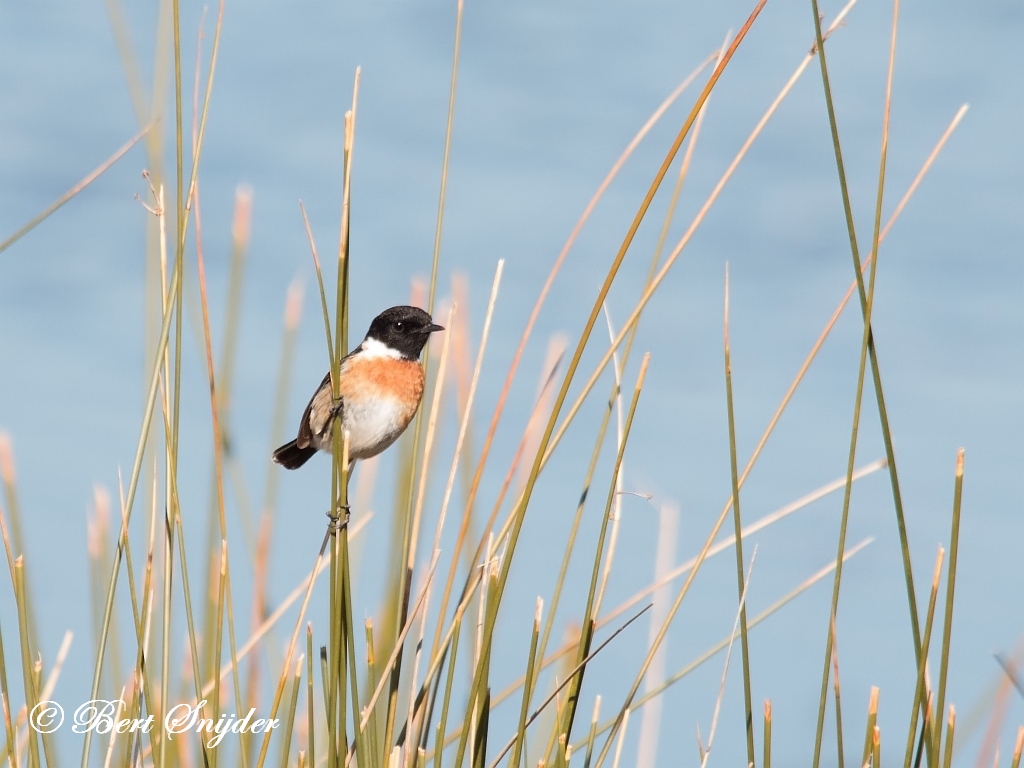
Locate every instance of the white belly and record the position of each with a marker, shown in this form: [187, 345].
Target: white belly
[372, 426]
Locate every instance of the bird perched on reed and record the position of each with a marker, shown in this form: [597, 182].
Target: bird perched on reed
[380, 386]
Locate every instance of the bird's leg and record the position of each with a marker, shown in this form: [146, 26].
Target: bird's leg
[336, 521]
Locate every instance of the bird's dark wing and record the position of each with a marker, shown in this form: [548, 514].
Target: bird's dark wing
[305, 437]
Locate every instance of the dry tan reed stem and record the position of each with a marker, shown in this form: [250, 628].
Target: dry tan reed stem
[836, 688]
[467, 409]
[435, 408]
[89, 179]
[990, 740]
[613, 536]
[51, 681]
[622, 740]
[650, 724]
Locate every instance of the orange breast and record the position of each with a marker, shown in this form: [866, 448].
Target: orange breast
[377, 377]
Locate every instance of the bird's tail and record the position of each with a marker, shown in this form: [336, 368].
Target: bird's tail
[290, 456]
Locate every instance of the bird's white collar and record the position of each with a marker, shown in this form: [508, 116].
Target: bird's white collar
[372, 348]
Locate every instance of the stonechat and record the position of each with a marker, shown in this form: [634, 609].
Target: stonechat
[380, 386]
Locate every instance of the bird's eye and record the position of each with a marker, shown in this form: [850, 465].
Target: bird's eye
[399, 326]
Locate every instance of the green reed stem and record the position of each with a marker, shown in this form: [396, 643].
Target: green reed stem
[31, 694]
[766, 761]
[359, 733]
[1018, 748]
[181, 220]
[343, 609]
[190, 622]
[243, 748]
[446, 701]
[480, 691]
[341, 296]
[947, 759]
[840, 761]
[139, 618]
[571, 542]
[218, 644]
[592, 736]
[8, 478]
[866, 344]
[531, 660]
[179, 155]
[345, 650]
[334, 643]
[483, 722]
[9, 747]
[165, 614]
[339, 628]
[289, 718]
[310, 709]
[738, 526]
[924, 742]
[444, 163]
[371, 683]
[947, 625]
[864, 303]
[320, 284]
[333, 648]
[589, 619]
[554, 736]
[324, 685]
[919, 691]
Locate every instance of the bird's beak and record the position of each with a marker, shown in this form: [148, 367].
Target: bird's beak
[434, 328]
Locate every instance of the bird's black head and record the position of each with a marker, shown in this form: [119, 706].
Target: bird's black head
[403, 329]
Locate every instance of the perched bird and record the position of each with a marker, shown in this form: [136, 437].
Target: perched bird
[381, 384]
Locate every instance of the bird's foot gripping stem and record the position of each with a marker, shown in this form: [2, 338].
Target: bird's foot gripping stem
[337, 521]
[336, 408]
